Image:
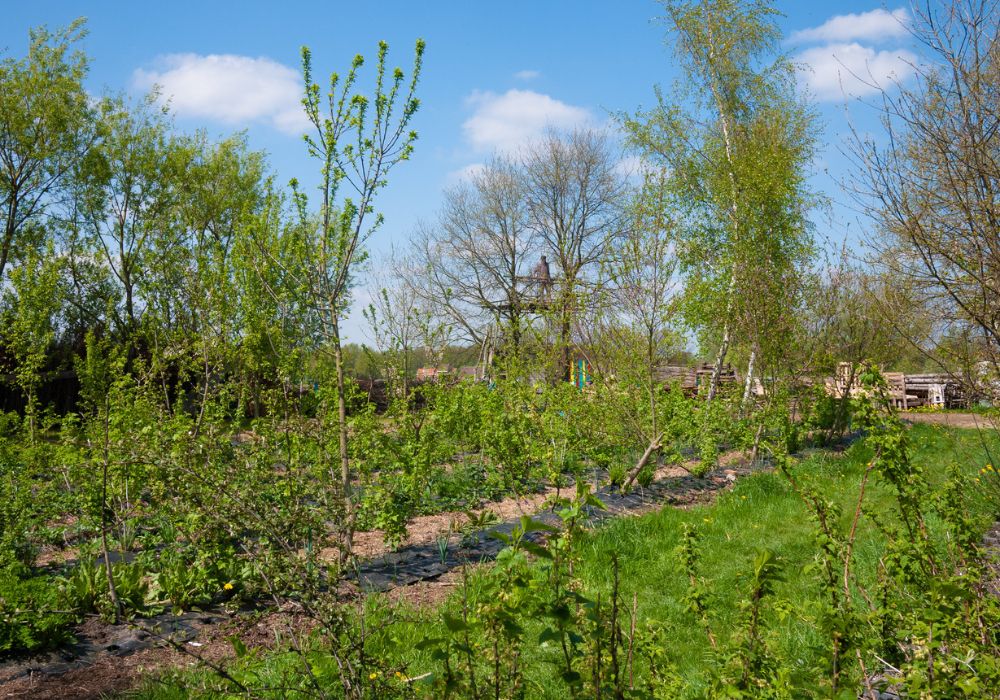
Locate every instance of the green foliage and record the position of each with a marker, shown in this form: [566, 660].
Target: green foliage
[84, 586]
[30, 616]
[18, 512]
[85, 589]
[45, 117]
[189, 580]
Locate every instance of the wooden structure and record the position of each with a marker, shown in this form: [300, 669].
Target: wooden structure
[905, 390]
[535, 292]
[691, 378]
[532, 294]
[433, 373]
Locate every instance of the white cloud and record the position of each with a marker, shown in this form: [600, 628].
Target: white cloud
[634, 167]
[464, 174]
[528, 74]
[228, 88]
[877, 25]
[835, 71]
[505, 122]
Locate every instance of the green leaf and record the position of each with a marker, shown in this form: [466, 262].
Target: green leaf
[454, 624]
[531, 525]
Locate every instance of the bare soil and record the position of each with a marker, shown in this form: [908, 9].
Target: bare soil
[952, 420]
[109, 673]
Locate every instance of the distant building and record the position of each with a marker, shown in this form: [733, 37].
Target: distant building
[433, 373]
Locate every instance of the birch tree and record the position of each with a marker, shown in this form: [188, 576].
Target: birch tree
[735, 140]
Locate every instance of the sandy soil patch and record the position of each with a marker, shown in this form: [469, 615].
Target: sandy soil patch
[952, 420]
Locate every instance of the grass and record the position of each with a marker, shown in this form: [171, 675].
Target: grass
[760, 512]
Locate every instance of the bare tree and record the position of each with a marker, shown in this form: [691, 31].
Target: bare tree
[472, 263]
[393, 317]
[933, 188]
[576, 195]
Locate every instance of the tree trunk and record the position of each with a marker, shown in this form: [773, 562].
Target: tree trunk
[748, 384]
[345, 463]
[733, 216]
[9, 231]
[112, 591]
[654, 447]
[567, 358]
[713, 385]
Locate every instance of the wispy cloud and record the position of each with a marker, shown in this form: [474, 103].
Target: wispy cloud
[528, 75]
[464, 174]
[235, 90]
[508, 121]
[633, 167]
[836, 71]
[876, 25]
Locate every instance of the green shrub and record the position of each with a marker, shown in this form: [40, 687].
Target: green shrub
[29, 615]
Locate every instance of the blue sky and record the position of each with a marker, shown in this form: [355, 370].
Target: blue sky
[495, 73]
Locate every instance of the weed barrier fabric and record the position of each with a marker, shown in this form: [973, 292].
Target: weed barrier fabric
[115, 640]
[423, 562]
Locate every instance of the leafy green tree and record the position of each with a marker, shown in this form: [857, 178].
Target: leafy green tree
[45, 129]
[274, 321]
[125, 194]
[30, 323]
[358, 140]
[194, 325]
[736, 140]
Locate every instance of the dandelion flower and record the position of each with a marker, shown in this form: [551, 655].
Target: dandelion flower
[227, 587]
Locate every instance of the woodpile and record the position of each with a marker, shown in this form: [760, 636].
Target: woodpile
[691, 378]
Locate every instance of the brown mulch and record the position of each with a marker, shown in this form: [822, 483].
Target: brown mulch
[427, 594]
[428, 528]
[109, 673]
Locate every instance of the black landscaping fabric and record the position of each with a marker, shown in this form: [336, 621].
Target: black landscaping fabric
[424, 561]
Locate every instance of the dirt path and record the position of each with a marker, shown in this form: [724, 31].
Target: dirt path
[952, 420]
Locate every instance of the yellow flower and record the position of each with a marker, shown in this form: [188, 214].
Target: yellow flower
[227, 587]
[373, 675]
